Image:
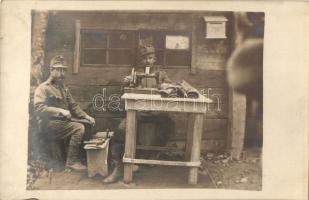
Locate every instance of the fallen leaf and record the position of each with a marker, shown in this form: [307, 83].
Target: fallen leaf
[220, 156]
[225, 161]
[209, 156]
[244, 180]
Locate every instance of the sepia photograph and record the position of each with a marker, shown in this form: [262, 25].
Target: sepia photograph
[149, 99]
[164, 100]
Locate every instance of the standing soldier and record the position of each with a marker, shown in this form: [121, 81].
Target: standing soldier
[54, 106]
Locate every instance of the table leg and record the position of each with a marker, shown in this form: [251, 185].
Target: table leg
[130, 144]
[189, 136]
[195, 149]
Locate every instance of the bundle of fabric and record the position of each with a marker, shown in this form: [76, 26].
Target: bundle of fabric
[180, 89]
[169, 90]
[188, 90]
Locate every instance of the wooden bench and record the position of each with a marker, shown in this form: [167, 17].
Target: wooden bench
[97, 158]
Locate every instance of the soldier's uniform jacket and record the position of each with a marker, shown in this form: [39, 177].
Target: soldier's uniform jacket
[50, 98]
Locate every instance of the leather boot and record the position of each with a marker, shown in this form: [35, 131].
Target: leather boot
[116, 174]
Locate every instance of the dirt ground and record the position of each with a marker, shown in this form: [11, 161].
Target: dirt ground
[217, 171]
[243, 174]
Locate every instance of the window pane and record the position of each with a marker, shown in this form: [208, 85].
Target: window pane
[158, 40]
[121, 57]
[178, 58]
[95, 39]
[159, 55]
[121, 40]
[154, 38]
[94, 57]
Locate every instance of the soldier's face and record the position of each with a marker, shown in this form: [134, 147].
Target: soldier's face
[149, 59]
[58, 73]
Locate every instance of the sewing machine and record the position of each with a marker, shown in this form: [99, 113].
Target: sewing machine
[135, 83]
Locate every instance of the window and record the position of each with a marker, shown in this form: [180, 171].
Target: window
[104, 48]
[118, 48]
[168, 51]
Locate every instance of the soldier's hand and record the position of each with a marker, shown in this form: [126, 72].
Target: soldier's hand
[66, 114]
[90, 119]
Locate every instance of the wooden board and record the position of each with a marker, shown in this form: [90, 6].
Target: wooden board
[189, 136]
[156, 148]
[206, 145]
[215, 112]
[130, 144]
[76, 61]
[158, 97]
[107, 123]
[168, 106]
[196, 147]
[105, 76]
[127, 21]
[202, 79]
[214, 93]
[141, 90]
[212, 112]
[99, 76]
[212, 129]
[162, 162]
[236, 128]
[86, 93]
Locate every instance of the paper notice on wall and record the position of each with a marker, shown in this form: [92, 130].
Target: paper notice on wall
[216, 30]
[177, 42]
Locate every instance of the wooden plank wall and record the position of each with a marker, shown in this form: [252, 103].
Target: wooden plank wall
[209, 58]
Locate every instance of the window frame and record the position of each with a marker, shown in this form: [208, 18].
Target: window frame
[78, 57]
[107, 48]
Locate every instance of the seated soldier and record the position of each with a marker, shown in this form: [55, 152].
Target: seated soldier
[54, 106]
[162, 123]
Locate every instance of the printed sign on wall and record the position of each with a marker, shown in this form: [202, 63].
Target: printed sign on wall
[177, 42]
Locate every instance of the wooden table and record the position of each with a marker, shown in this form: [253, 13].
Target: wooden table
[196, 109]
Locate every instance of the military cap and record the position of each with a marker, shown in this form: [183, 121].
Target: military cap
[146, 50]
[58, 61]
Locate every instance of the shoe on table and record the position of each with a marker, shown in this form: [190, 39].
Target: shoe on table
[76, 166]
